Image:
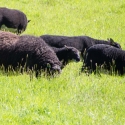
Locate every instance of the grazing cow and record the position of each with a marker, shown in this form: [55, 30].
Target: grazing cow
[66, 53]
[14, 20]
[28, 52]
[106, 55]
[79, 42]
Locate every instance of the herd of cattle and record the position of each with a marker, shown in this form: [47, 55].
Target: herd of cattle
[53, 52]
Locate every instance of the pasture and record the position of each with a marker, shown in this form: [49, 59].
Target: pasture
[70, 98]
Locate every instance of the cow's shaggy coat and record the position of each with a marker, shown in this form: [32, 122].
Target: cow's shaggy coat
[81, 43]
[13, 19]
[27, 51]
[106, 55]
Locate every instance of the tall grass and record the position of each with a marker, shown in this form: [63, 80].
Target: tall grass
[70, 98]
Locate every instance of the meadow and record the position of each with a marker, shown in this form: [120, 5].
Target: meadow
[70, 98]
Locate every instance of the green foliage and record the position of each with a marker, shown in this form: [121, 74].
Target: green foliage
[70, 98]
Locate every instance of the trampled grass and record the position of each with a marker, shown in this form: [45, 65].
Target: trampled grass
[70, 98]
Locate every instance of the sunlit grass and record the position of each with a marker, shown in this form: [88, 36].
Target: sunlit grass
[71, 98]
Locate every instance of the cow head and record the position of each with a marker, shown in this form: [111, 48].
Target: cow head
[112, 43]
[73, 53]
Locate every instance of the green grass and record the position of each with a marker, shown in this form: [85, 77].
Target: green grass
[70, 98]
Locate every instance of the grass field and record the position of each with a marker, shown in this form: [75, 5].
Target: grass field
[70, 98]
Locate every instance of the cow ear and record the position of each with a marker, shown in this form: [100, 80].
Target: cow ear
[111, 41]
[28, 21]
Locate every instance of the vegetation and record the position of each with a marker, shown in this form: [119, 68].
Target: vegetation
[70, 98]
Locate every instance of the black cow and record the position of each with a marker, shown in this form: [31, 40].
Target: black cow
[27, 52]
[106, 55]
[13, 19]
[79, 42]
